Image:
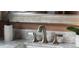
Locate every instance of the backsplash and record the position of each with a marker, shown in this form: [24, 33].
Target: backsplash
[69, 37]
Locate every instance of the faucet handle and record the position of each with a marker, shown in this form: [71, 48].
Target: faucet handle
[40, 28]
[34, 37]
[55, 41]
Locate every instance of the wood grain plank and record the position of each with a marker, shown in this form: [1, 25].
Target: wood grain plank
[49, 26]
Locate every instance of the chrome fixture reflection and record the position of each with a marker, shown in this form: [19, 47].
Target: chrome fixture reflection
[43, 35]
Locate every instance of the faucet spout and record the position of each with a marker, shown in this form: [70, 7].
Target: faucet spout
[42, 29]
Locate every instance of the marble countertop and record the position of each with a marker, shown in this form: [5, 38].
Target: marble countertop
[30, 44]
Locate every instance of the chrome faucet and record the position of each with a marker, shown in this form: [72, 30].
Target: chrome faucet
[41, 29]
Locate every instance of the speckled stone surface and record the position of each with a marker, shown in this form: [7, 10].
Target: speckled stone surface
[30, 44]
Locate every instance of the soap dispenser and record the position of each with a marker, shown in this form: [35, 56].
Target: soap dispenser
[8, 29]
